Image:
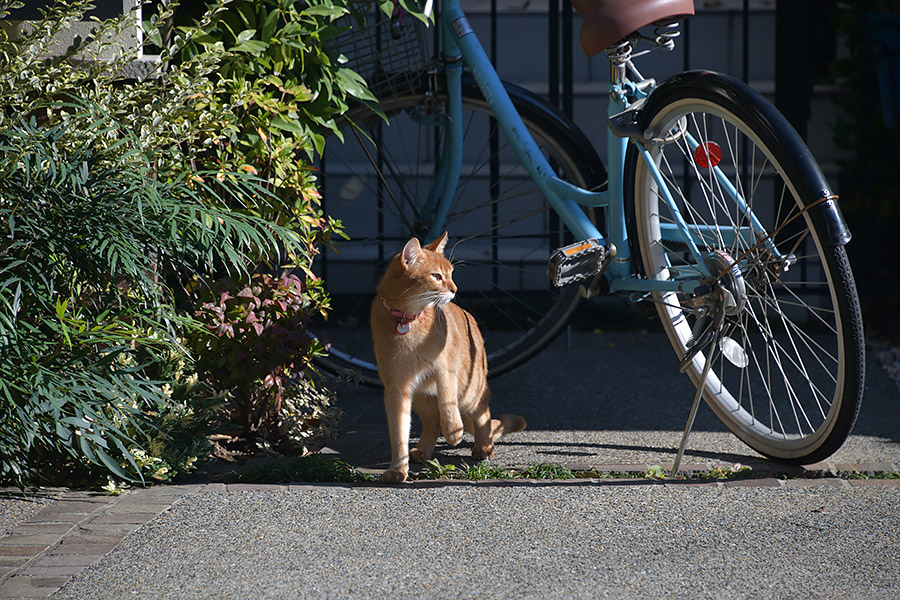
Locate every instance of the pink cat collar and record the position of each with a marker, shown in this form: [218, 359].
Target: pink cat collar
[405, 318]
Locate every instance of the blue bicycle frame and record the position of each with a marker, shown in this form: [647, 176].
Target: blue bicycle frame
[459, 44]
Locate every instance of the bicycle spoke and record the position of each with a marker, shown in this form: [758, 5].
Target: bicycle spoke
[775, 351]
[499, 222]
[406, 195]
[818, 352]
[779, 387]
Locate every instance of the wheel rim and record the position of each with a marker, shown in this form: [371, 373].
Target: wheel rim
[786, 400]
[501, 235]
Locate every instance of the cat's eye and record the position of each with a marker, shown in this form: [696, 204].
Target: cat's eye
[437, 276]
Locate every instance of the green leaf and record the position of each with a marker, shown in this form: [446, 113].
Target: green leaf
[285, 124]
[325, 11]
[251, 47]
[65, 435]
[98, 440]
[87, 450]
[60, 314]
[387, 7]
[319, 143]
[79, 422]
[656, 472]
[415, 9]
[353, 83]
[304, 94]
[245, 35]
[113, 466]
[269, 25]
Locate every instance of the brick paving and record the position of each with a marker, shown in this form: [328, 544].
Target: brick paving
[72, 533]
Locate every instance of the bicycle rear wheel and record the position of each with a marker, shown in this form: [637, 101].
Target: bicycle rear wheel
[501, 229]
[788, 377]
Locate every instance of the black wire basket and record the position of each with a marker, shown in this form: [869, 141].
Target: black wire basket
[391, 53]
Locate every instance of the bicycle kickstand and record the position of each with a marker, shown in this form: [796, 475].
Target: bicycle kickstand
[696, 405]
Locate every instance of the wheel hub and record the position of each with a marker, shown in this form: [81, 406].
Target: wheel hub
[731, 286]
[727, 297]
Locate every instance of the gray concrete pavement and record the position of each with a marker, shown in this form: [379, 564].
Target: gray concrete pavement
[760, 538]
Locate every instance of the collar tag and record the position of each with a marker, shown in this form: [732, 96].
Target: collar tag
[403, 326]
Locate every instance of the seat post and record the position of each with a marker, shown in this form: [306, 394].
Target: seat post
[617, 73]
[619, 54]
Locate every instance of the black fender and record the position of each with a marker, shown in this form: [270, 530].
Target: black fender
[773, 129]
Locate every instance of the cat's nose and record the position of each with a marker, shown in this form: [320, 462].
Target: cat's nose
[451, 287]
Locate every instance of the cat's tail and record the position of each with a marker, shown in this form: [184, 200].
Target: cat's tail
[507, 423]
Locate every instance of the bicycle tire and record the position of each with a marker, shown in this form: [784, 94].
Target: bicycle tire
[513, 245]
[800, 330]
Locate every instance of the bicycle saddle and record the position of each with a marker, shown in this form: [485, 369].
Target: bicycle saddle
[608, 21]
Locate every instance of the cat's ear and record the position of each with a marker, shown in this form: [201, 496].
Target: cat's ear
[410, 252]
[437, 246]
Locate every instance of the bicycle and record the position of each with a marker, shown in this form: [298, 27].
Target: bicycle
[712, 210]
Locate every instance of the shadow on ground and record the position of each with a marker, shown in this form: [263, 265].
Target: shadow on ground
[612, 398]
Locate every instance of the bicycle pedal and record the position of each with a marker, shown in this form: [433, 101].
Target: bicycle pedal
[578, 261]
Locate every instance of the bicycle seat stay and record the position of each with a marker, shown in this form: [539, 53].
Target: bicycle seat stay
[608, 21]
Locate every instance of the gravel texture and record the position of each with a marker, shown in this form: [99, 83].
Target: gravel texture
[16, 508]
[639, 541]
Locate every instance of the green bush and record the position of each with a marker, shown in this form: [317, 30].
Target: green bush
[116, 193]
[285, 87]
[254, 343]
[282, 89]
[84, 314]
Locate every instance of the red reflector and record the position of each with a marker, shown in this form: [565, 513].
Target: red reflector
[708, 154]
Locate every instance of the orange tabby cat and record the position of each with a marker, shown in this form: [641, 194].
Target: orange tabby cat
[431, 358]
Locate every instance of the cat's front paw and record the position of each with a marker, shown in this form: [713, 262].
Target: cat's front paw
[483, 452]
[394, 475]
[416, 455]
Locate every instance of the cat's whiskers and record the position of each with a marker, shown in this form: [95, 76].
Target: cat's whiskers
[449, 255]
[426, 299]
